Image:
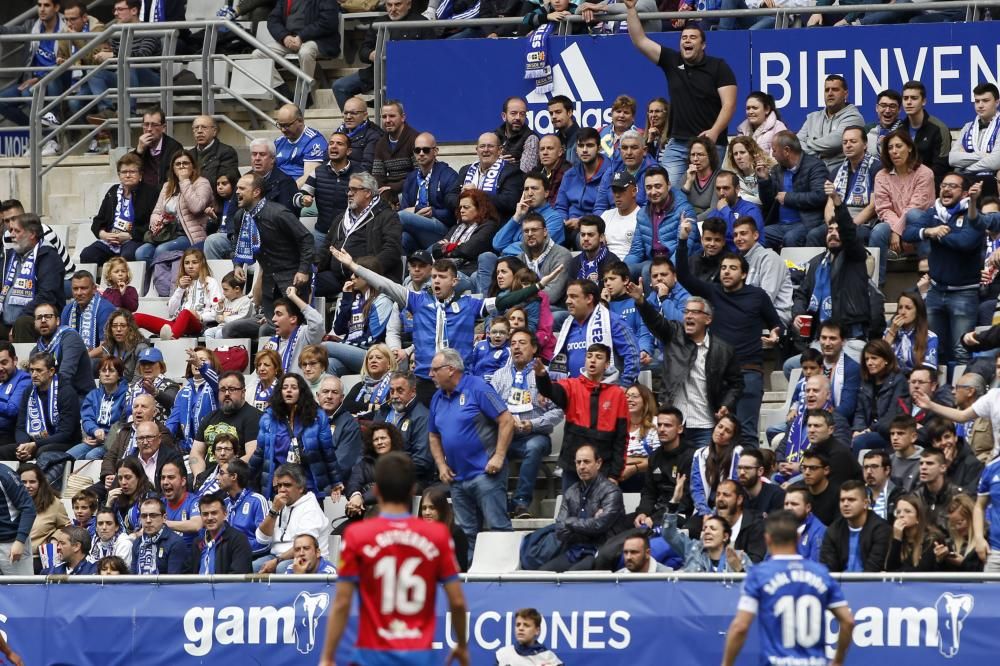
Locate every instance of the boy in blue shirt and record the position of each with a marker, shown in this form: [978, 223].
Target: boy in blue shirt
[493, 353]
[616, 278]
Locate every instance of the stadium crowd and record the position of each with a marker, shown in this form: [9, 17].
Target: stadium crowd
[619, 290]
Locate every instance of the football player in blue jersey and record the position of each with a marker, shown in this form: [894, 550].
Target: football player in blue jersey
[790, 595]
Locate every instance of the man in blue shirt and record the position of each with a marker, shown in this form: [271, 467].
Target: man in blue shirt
[469, 430]
[988, 512]
[798, 500]
[183, 515]
[245, 509]
[13, 383]
[790, 595]
[88, 313]
[73, 545]
[300, 149]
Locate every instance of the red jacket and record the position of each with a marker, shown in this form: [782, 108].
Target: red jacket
[595, 414]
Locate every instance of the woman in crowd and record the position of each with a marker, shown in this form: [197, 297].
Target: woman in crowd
[295, 430]
[882, 386]
[380, 439]
[709, 554]
[762, 122]
[313, 361]
[102, 408]
[194, 303]
[901, 185]
[657, 121]
[197, 398]
[124, 499]
[114, 565]
[623, 111]
[503, 282]
[714, 462]
[267, 363]
[642, 436]
[742, 156]
[50, 513]
[109, 539]
[225, 447]
[434, 506]
[478, 222]
[361, 321]
[367, 396]
[123, 218]
[124, 341]
[699, 180]
[958, 552]
[179, 219]
[118, 289]
[912, 545]
[913, 343]
[517, 317]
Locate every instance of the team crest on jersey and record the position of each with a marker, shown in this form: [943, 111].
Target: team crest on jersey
[316, 150]
[404, 426]
[461, 400]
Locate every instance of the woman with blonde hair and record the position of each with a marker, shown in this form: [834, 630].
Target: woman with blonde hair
[642, 436]
[958, 551]
[742, 156]
[368, 395]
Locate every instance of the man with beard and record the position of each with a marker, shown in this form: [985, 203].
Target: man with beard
[234, 417]
[581, 183]
[656, 231]
[49, 417]
[747, 525]
[798, 500]
[518, 144]
[343, 426]
[637, 559]
[565, 125]
[762, 496]
[89, 312]
[361, 132]
[393, 159]
[33, 274]
[76, 372]
[767, 269]
[327, 187]
[410, 416]
[183, 514]
[307, 558]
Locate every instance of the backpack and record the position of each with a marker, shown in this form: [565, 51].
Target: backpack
[539, 547]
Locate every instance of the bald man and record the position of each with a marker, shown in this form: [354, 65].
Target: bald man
[362, 132]
[299, 149]
[500, 180]
[213, 156]
[423, 203]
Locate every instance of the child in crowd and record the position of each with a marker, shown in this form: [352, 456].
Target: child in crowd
[85, 504]
[225, 203]
[236, 305]
[493, 353]
[527, 651]
[117, 288]
[193, 304]
[102, 408]
[616, 278]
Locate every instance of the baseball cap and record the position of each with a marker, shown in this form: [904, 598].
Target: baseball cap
[622, 179]
[421, 257]
[150, 355]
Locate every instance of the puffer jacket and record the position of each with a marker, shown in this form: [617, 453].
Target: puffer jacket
[319, 458]
[642, 241]
[876, 401]
[590, 513]
[696, 560]
[194, 198]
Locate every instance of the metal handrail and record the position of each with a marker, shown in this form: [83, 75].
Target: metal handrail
[208, 88]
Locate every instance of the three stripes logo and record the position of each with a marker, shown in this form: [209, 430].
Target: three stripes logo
[573, 78]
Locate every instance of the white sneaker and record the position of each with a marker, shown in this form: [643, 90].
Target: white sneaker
[50, 120]
[93, 148]
[50, 149]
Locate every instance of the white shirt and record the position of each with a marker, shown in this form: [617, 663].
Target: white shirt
[694, 401]
[619, 230]
[988, 407]
[304, 517]
[149, 466]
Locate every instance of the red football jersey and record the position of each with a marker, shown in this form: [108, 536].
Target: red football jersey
[397, 562]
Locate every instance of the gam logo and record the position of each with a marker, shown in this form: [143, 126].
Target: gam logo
[574, 79]
[204, 626]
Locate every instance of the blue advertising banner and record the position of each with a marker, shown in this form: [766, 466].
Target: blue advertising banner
[13, 142]
[584, 622]
[455, 88]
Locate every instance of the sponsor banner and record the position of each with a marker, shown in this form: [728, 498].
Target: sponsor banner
[464, 96]
[585, 623]
[13, 142]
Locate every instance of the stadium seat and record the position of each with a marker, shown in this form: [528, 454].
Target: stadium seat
[631, 501]
[349, 381]
[138, 271]
[800, 256]
[154, 306]
[88, 468]
[334, 546]
[23, 350]
[220, 267]
[175, 356]
[497, 552]
[84, 237]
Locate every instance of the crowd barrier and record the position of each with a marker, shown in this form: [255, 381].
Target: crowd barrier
[463, 98]
[593, 620]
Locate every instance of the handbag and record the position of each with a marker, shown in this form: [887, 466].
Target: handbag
[167, 232]
[235, 358]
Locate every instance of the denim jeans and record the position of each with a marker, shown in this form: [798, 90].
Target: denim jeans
[87, 452]
[344, 359]
[869, 440]
[530, 450]
[777, 236]
[674, 159]
[15, 111]
[217, 246]
[697, 437]
[483, 498]
[735, 22]
[880, 237]
[347, 87]
[748, 407]
[95, 85]
[147, 251]
[952, 314]
[420, 232]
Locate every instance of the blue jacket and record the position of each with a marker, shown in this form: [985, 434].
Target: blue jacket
[171, 553]
[642, 240]
[91, 409]
[346, 436]
[849, 392]
[17, 510]
[11, 396]
[806, 195]
[673, 304]
[245, 513]
[508, 240]
[487, 359]
[741, 209]
[811, 538]
[104, 311]
[443, 180]
[177, 424]
[73, 362]
[577, 195]
[319, 456]
[624, 307]
[955, 259]
[605, 201]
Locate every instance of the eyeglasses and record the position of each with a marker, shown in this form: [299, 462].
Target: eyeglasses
[965, 386]
[356, 189]
[147, 438]
[149, 516]
[419, 150]
[128, 172]
[43, 317]
[308, 364]
[230, 389]
[694, 311]
[284, 126]
[435, 368]
[887, 107]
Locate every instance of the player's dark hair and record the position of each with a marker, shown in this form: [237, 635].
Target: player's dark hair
[529, 614]
[782, 527]
[394, 477]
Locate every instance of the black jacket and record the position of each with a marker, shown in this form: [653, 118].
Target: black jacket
[873, 546]
[874, 402]
[724, 381]
[363, 145]
[232, 552]
[286, 246]
[661, 480]
[371, 37]
[322, 25]
[61, 435]
[848, 280]
[280, 188]
[466, 255]
[507, 195]
[843, 463]
[806, 195]
[751, 537]
[933, 141]
[143, 201]
[328, 187]
[380, 237]
[770, 498]
[217, 159]
[170, 146]
[966, 468]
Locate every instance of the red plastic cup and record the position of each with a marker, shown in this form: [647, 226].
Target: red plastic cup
[807, 326]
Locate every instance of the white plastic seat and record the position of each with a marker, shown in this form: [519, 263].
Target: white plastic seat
[349, 381]
[175, 356]
[497, 552]
[631, 501]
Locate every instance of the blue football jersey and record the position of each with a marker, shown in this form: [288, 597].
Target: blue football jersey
[291, 157]
[789, 596]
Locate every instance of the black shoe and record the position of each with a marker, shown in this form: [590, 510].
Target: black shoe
[521, 512]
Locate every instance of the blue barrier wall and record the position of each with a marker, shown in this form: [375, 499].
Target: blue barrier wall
[455, 88]
[585, 622]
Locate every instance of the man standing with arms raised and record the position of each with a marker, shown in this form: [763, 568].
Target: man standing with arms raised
[702, 91]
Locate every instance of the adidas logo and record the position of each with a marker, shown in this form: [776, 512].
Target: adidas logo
[573, 78]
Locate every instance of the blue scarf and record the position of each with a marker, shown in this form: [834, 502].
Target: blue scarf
[821, 301]
[354, 132]
[85, 323]
[886, 131]
[796, 441]
[591, 269]
[356, 326]
[536, 59]
[488, 182]
[196, 401]
[43, 414]
[248, 243]
[446, 10]
[262, 395]
[124, 216]
[375, 392]
[288, 355]
[227, 214]
[45, 53]
[973, 136]
[860, 194]
[206, 566]
[133, 447]
[19, 279]
[53, 347]
[146, 564]
[423, 184]
[102, 549]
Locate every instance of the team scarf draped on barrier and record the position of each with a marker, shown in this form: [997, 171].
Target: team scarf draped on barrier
[86, 322]
[248, 242]
[43, 413]
[536, 58]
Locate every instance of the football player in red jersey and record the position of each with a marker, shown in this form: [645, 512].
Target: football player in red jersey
[395, 562]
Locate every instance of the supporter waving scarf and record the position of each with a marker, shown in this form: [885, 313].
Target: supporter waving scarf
[19, 279]
[860, 194]
[536, 58]
[248, 243]
[972, 138]
[201, 402]
[87, 320]
[821, 301]
[43, 413]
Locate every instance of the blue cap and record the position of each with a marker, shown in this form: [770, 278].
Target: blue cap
[151, 355]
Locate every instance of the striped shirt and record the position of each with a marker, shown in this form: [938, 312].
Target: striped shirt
[49, 238]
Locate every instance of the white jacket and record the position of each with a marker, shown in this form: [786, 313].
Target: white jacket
[304, 517]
